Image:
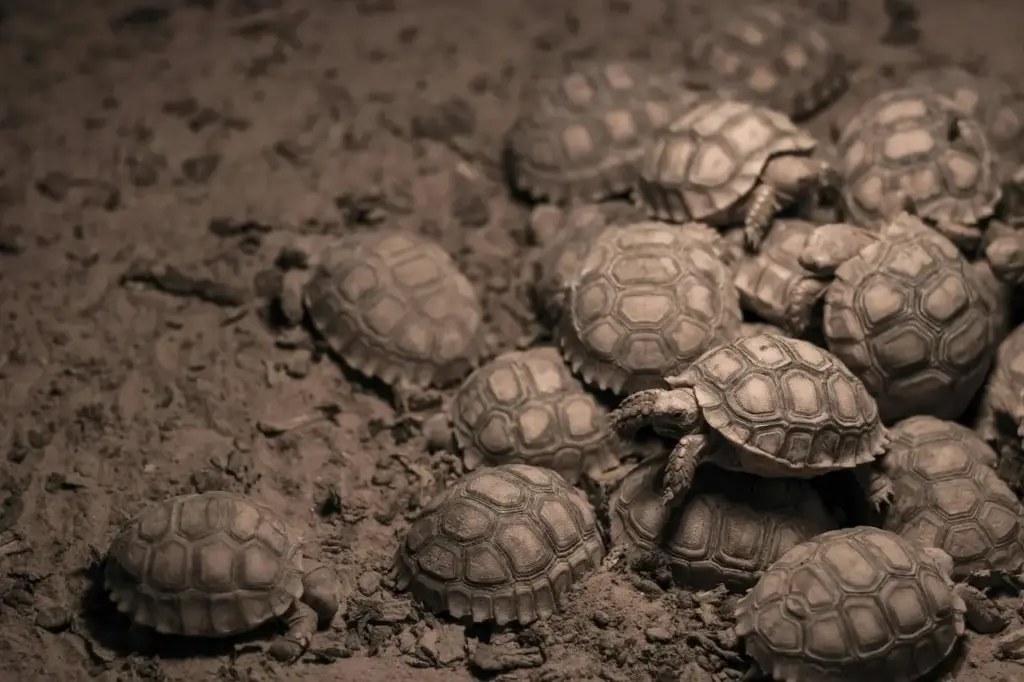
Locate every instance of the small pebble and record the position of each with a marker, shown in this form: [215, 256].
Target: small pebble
[369, 583]
[53, 618]
[658, 635]
[601, 619]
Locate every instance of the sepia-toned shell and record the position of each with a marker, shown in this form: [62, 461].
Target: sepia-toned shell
[789, 402]
[908, 316]
[527, 407]
[559, 260]
[916, 142]
[731, 527]
[650, 299]
[775, 56]
[580, 135]
[991, 100]
[796, 622]
[212, 565]
[503, 544]
[706, 162]
[948, 497]
[772, 282]
[393, 305]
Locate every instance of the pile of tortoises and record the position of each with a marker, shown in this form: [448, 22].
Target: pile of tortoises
[688, 283]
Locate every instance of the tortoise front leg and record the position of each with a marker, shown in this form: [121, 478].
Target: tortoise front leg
[764, 204]
[681, 468]
[301, 622]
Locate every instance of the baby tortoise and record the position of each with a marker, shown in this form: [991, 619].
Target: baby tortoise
[855, 604]
[947, 496]
[767, 405]
[218, 564]
[526, 406]
[726, 162]
[581, 134]
[731, 527]
[906, 313]
[648, 300]
[778, 57]
[392, 305]
[913, 149]
[503, 544]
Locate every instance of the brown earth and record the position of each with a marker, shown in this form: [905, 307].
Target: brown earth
[154, 159]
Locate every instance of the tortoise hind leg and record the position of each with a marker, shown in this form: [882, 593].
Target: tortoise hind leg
[681, 468]
[301, 622]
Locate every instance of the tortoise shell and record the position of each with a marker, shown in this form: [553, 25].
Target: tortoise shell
[571, 236]
[793, 405]
[706, 163]
[775, 286]
[580, 136]
[908, 316]
[525, 406]
[393, 305]
[947, 497]
[731, 527]
[650, 299]
[782, 58]
[855, 604]
[916, 143]
[503, 543]
[211, 565]
[992, 101]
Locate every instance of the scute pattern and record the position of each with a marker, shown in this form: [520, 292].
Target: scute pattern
[948, 498]
[707, 161]
[787, 400]
[731, 526]
[914, 141]
[775, 286]
[580, 135]
[908, 316]
[859, 603]
[996, 105]
[211, 565]
[394, 305]
[561, 257]
[525, 406]
[650, 299]
[777, 57]
[503, 543]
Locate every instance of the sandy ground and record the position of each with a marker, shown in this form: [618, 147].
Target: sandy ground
[183, 144]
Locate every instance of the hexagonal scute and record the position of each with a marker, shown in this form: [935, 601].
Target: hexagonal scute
[495, 491]
[260, 568]
[463, 521]
[169, 566]
[852, 566]
[526, 547]
[214, 569]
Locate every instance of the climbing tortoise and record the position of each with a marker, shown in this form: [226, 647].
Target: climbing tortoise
[949, 497]
[726, 162]
[648, 300]
[526, 406]
[565, 236]
[767, 405]
[913, 149]
[854, 604]
[580, 135]
[503, 544]
[218, 564]
[776, 287]
[392, 305]
[906, 313]
[774, 56]
[731, 527]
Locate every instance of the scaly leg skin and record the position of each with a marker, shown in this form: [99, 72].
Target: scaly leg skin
[877, 485]
[681, 468]
[671, 413]
[764, 204]
[301, 621]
